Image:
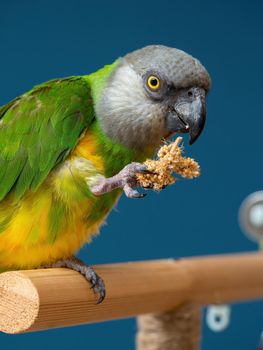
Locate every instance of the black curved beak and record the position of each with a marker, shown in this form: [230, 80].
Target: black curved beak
[188, 114]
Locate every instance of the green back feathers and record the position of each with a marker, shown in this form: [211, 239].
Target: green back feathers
[39, 129]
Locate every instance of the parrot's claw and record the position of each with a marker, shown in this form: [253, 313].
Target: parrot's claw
[125, 179]
[88, 272]
[97, 285]
[131, 193]
[129, 181]
[147, 171]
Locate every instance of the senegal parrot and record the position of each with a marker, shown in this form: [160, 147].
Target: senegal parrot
[69, 147]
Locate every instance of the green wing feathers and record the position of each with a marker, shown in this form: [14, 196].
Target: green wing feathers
[39, 129]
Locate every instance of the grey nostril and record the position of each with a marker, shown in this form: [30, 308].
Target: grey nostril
[190, 93]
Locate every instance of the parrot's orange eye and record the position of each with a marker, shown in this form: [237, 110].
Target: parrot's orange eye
[153, 82]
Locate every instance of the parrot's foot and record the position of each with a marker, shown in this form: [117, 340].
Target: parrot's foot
[125, 179]
[88, 272]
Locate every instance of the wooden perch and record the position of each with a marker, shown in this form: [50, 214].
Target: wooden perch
[41, 299]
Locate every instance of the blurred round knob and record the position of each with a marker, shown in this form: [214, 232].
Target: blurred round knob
[251, 216]
[218, 317]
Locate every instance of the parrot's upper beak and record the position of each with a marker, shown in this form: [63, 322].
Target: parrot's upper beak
[188, 113]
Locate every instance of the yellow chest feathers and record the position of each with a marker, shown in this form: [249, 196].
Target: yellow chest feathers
[56, 220]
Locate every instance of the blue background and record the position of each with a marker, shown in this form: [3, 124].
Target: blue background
[41, 40]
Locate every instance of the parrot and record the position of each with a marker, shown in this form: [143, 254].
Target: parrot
[71, 146]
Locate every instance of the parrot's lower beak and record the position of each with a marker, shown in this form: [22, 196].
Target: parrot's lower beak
[188, 114]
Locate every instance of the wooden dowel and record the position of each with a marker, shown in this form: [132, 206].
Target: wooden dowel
[41, 299]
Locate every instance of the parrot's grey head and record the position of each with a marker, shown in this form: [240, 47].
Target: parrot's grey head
[153, 93]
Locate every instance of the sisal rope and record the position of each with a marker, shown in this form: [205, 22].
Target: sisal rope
[174, 330]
